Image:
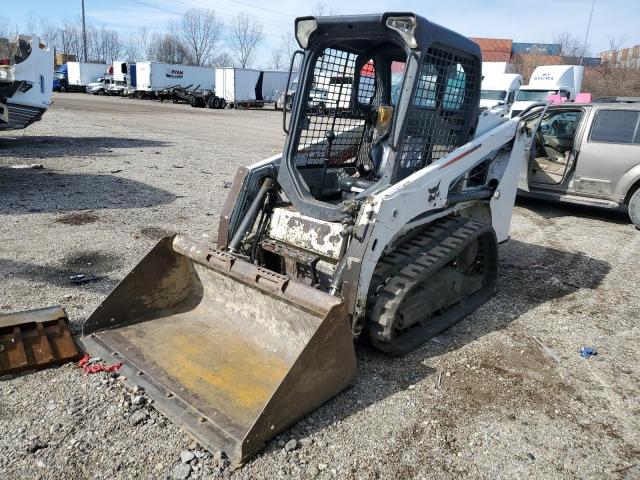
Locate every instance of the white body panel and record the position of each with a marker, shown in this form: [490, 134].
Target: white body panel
[273, 84]
[36, 70]
[82, 74]
[237, 84]
[154, 76]
[295, 229]
[395, 208]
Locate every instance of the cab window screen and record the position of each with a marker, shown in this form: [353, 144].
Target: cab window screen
[616, 126]
[439, 118]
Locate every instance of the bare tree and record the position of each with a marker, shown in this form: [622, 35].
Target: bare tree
[222, 60]
[322, 9]
[168, 48]
[572, 48]
[246, 33]
[198, 31]
[4, 30]
[278, 61]
[42, 27]
[138, 47]
[69, 41]
[106, 44]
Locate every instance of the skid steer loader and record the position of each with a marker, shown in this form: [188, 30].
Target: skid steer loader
[380, 219]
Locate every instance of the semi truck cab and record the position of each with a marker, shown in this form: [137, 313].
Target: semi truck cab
[547, 81]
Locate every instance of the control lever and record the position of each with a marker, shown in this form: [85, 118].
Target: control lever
[330, 136]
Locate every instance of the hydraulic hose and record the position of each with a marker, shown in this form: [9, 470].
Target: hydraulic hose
[251, 215]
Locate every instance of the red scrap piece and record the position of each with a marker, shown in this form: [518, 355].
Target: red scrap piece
[97, 367]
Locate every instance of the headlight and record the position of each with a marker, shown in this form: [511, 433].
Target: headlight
[304, 29]
[406, 27]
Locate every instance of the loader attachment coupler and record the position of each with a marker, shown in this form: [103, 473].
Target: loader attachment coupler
[231, 352]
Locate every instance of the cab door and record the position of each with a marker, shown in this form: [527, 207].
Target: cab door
[611, 148]
[529, 124]
[553, 149]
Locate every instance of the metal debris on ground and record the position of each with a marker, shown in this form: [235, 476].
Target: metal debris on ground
[586, 352]
[547, 351]
[81, 278]
[33, 166]
[91, 364]
[35, 339]
[439, 341]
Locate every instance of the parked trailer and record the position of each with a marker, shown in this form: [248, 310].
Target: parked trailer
[152, 77]
[240, 87]
[273, 84]
[193, 95]
[75, 76]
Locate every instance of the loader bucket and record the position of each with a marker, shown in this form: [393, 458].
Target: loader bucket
[231, 352]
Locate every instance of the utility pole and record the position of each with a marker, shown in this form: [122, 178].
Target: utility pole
[84, 34]
[586, 37]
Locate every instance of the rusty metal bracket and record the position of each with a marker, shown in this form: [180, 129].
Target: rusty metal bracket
[35, 339]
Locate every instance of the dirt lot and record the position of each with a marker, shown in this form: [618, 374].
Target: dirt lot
[504, 394]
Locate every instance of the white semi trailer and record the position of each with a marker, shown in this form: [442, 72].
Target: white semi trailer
[155, 76]
[240, 86]
[274, 83]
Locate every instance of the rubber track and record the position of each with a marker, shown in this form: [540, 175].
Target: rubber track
[410, 264]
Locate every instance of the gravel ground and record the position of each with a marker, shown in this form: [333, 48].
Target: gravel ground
[503, 394]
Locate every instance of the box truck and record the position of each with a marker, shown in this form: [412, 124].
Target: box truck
[240, 87]
[547, 81]
[154, 76]
[75, 76]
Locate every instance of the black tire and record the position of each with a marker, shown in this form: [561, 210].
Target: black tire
[193, 102]
[634, 208]
[216, 103]
[63, 89]
[208, 103]
[223, 103]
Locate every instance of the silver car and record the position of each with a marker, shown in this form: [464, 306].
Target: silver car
[585, 153]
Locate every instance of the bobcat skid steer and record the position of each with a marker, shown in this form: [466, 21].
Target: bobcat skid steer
[380, 219]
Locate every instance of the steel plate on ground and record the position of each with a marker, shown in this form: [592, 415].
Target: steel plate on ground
[35, 339]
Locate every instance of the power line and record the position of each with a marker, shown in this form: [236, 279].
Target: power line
[586, 37]
[156, 7]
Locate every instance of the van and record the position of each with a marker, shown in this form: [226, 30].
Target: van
[586, 154]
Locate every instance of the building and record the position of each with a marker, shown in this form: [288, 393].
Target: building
[624, 58]
[494, 49]
[551, 49]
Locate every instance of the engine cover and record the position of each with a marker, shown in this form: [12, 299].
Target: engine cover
[307, 233]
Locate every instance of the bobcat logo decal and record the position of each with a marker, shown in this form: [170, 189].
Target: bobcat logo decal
[434, 192]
